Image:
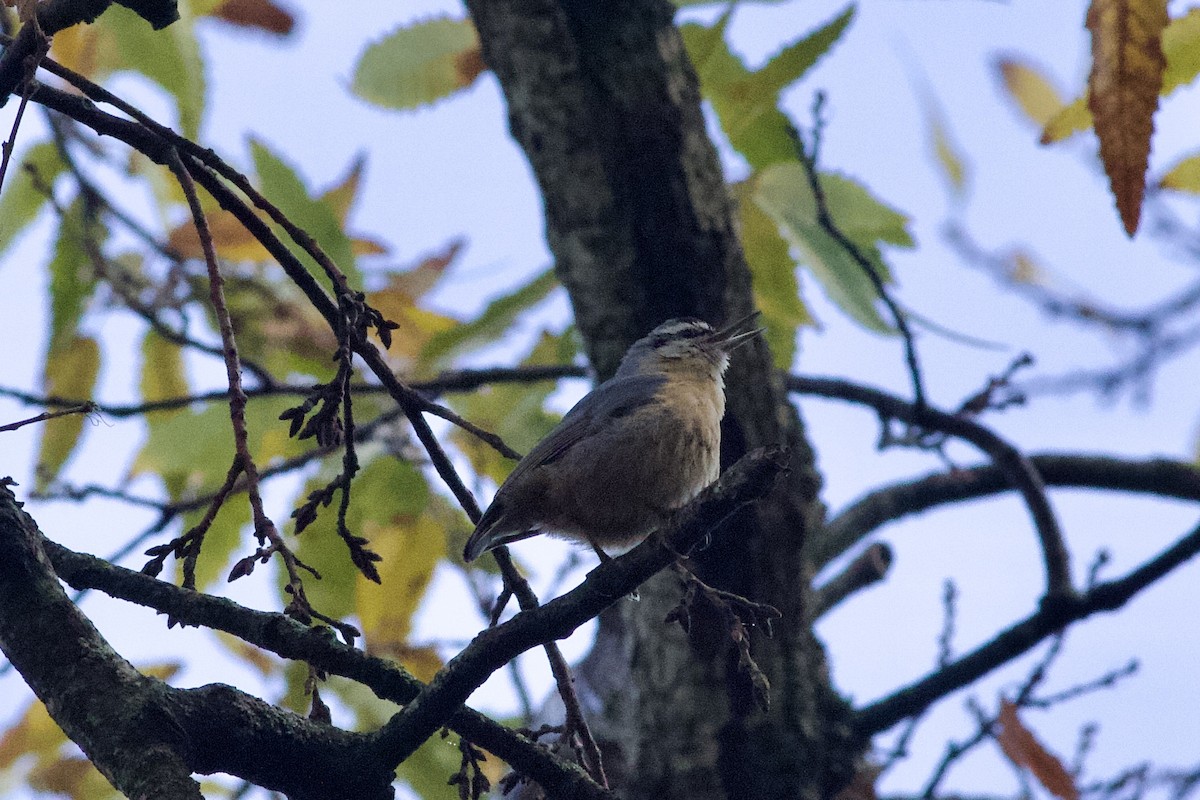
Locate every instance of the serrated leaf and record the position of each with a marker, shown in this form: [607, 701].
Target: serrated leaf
[163, 375]
[489, 326]
[1123, 88]
[418, 64]
[1024, 750]
[1180, 48]
[1033, 92]
[1183, 176]
[70, 371]
[776, 290]
[747, 103]
[782, 191]
[281, 184]
[22, 199]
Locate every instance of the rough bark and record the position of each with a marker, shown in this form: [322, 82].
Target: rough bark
[146, 737]
[606, 106]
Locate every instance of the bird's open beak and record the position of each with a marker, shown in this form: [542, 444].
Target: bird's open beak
[732, 336]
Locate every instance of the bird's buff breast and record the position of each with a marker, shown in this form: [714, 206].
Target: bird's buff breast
[667, 458]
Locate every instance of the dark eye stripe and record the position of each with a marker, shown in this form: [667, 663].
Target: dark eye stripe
[679, 329]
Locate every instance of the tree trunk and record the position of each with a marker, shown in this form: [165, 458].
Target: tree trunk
[606, 105]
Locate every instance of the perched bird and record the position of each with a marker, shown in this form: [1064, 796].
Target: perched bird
[640, 445]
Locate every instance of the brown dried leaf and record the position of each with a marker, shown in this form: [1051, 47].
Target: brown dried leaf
[262, 14]
[1123, 87]
[1024, 750]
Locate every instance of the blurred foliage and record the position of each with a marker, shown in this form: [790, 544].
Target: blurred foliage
[94, 274]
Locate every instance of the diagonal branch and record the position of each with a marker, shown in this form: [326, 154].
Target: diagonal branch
[1017, 468]
[1157, 476]
[287, 638]
[747, 480]
[146, 737]
[1018, 639]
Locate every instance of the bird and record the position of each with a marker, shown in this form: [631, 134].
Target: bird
[635, 448]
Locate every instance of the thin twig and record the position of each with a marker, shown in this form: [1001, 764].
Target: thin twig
[808, 156]
[1017, 468]
[82, 408]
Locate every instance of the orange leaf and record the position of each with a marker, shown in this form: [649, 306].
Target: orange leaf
[261, 14]
[1024, 750]
[1123, 87]
[230, 237]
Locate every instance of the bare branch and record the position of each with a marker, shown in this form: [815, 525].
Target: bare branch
[1020, 472]
[1050, 619]
[1158, 476]
[748, 479]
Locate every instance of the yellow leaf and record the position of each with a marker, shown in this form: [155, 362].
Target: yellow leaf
[945, 150]
[422, 662]
[1181, 46]
[340, 198]
[1184, 176]
[1075, 117]
[1023, 749]
[35, 733]
[266, 664]
[1034, 93]
[1123, 87]
[411, 548]
[71, 371]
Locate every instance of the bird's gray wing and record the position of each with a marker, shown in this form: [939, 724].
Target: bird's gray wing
[612, 399]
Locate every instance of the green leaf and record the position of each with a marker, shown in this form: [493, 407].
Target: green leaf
[192, 450]
[1184, 176]
[776, 290]
[72, 279]
[747, 103]
[783, 192]
[281, 185]
[71, 370]
[171, 58]
[21, 199]
[497, 318]
[220, 542]
[1181, 46]
[418, 64]
[163, 375]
